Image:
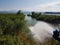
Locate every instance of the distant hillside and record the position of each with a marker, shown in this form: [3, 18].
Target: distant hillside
[51, 13]
[26, 12]
[14, 12]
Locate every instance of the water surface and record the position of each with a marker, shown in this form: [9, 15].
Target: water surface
[41, 30]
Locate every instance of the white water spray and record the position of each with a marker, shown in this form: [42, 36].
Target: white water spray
[42, 31]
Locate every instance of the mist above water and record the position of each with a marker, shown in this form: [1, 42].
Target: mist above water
[42, 31]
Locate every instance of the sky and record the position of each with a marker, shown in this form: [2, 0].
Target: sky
[30, 5]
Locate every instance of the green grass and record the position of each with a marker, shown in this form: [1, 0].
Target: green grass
[47, 18]
[14, 31]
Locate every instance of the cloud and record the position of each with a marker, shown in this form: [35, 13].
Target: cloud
[53, 6]
[27, 9]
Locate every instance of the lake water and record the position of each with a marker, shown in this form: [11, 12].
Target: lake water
[32, 21]
[41, 30]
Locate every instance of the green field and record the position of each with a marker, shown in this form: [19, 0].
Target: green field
[13, 30]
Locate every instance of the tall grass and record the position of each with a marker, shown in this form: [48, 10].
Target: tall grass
[14, 31]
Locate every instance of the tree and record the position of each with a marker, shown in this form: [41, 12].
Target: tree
[19, 12]
[33, 13]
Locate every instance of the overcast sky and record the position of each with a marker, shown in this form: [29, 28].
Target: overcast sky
[30, 5]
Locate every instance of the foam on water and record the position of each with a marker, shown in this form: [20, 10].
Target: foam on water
[42, 31]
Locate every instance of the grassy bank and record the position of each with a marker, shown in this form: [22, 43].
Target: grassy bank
[47, 18]
[14, 31]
